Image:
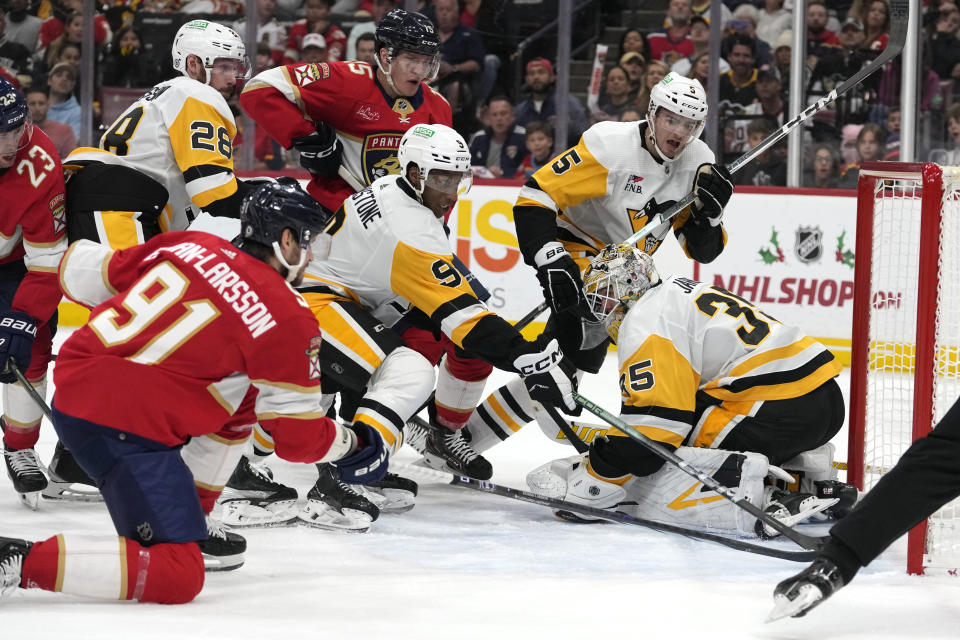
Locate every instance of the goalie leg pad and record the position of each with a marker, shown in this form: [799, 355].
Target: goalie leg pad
[671, 495]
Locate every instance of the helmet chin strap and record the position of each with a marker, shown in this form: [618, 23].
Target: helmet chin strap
[656, 145]
[386, 72]
[292, 270]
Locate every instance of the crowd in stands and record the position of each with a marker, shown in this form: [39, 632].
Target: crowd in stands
[511, 134]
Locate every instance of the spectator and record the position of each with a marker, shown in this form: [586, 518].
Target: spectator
[541, 105]
[877, 23]
[317, 20]
[781, 56]
[772, 20]
[870, 144]
[379, 9]
[671, 44]
[892, 146]
[838, 64]
[539, 142]
[125, 65]
[63, 104]
[745, 22]
[70, 36]
[769, 168]
[366, 46]
[848, 144]
[495, 22]
[461, 62]
[700, 71]
[950, 154]
[654, 73]
[702, 8]
[53, 26]
[269, 30]
[632, 113]
[616, 95]
[633, 40]
[769, 104]
[313, 48]
[500, 145]
[62, 136]
[819, 38]
[738, 86]
[22, 27]
[945, 44]
[14, 57]
[633, 63]
[700, 37]
[823, 171]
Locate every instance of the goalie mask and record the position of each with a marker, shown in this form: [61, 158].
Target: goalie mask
[616, 278]
[686, 102]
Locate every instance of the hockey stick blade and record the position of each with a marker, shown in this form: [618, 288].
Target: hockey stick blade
[899, 13]
[603, 514]
[805, 541]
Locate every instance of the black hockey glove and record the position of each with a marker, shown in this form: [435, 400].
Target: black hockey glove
[369, 462]
[713, 188]
[549, 377]
[17, 333]
[320, 152]
[560, 279]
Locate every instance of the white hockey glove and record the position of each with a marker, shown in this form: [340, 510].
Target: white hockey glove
[549, 377]
[713, 187]
[560, 279]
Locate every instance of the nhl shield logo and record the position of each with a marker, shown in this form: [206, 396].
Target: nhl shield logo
[809, 247]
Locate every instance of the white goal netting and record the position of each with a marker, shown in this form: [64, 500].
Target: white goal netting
[895, 297]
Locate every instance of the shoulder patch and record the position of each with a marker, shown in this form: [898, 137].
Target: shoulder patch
[58, 210]
[308, 73]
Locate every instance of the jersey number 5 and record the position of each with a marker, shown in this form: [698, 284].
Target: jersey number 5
[144, 309]
[637, 378]
[566, 162]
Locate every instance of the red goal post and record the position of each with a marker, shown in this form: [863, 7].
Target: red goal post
[905, 348]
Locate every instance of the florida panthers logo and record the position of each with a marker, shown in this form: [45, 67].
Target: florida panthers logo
[379, 155]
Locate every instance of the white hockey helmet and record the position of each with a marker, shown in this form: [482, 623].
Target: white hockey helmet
[208, 41]
[616, 278]
[682, 96]
[437, 146]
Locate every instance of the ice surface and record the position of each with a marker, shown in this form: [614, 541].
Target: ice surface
[467, 565]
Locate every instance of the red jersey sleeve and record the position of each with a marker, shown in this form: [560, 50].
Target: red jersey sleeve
[36, 186]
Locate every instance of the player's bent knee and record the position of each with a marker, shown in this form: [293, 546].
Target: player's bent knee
[175, 574]
[406, 365]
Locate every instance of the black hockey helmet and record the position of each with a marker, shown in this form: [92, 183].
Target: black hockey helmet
[401, 30]
[273, 207]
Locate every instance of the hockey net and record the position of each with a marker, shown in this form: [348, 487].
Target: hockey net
[906, 331]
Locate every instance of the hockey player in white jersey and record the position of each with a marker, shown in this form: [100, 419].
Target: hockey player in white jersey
[708, 374]
[601, 191]
[389, 251]
[179, 134]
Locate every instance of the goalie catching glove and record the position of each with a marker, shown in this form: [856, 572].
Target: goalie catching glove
[713, 188]
[320, 152]
[368, 462]
[549, 377]
[560, 279]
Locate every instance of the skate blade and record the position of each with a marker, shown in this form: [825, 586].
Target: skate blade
[397, 501]
[320, 516]
[799, 517]
[222, 563]
[240, 513]
[30, 499]
[807, 598]
[71, 492]
[569, 516]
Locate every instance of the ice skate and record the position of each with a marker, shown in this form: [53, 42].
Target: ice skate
[12, 553]
[25, 473]
[790, 508]
[447, 450]
[797, 595]
[392, 494]
[335, 505]
[222, 550]
[252, 498]
[68, 481]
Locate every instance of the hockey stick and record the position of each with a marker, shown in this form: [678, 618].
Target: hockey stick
[603, 514]
[805, 541]
[12, 366]
[899, 13]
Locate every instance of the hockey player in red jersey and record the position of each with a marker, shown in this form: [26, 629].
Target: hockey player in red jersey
[32, 241]
[346, 120]
[163, 309]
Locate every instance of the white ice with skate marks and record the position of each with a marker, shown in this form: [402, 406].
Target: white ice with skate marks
[469, 565]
